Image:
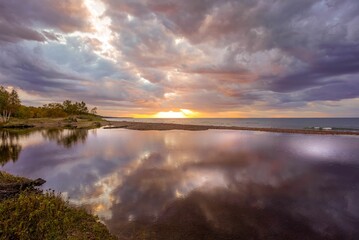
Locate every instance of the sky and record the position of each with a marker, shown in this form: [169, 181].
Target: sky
[188, 58]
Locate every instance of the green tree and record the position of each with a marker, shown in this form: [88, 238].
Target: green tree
[14, 101]
[9, 103]
[75, 108]
[69, 107]
[4, 99]
[53, 110]
[81, 108]
[94, 111]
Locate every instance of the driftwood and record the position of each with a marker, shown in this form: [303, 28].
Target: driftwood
[11, 189]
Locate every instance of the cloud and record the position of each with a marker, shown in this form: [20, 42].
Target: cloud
[23, 20]
[334, 60]
[29, 71]
[9, 33]
[226, 55]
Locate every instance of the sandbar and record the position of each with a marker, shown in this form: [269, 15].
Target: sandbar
[144, 126]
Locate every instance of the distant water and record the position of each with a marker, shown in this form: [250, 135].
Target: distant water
[351, 124]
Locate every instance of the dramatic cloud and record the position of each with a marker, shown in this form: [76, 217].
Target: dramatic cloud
[27, 19]
[224, 57]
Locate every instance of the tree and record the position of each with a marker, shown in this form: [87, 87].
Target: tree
[81, 108]
[69, 107]
[9, 103]
[94, 111]
[75, 108]
[4, 98]
[10, 106]
[14, 101]
[53, 110]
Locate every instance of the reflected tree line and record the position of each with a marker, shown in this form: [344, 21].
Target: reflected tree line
[66, 137]
[10, 145]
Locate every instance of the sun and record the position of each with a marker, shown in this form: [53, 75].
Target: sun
[169, 114]
[183, 113]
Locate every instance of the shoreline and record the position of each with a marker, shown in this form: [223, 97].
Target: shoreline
[83, 123]
[143, 126]
[47, 123]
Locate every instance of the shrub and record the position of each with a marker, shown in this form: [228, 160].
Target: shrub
[8, 178]
[34, 215]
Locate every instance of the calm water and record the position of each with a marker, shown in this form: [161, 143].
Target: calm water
[216, 184]
[291, 123]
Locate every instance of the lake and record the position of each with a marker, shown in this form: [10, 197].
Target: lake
[215, 184]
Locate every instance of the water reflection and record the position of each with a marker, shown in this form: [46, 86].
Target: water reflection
[205, 185]
[12, 141]
[66, 137]
[9, 146]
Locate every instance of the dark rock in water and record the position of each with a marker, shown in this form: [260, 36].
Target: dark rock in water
[39, 182]
[97, 124]
[18, 126]
[12, 189]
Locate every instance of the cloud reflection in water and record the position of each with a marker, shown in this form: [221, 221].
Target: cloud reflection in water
[206, 185]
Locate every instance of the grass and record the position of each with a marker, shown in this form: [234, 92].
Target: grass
[33, 215]
[78, 121]
[8, 178]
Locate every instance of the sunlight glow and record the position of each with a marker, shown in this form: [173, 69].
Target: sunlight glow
[170, 114]
[102, 29]
[180, 113]
[183, 113]
[178, 41]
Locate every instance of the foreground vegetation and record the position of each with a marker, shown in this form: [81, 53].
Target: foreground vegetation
[32, 214]
[78, 121]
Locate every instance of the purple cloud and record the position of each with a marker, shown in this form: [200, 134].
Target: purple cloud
[212, 55]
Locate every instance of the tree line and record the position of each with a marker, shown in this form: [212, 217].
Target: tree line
[10, 106]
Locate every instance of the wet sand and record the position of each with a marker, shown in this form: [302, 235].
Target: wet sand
[171, 126]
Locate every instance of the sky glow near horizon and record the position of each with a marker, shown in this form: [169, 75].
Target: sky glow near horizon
[198, 58]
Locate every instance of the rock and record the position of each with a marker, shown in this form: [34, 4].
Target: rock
[11, 189]
[18, 126]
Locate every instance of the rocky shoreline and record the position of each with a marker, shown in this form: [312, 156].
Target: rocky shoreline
[8, 190]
